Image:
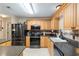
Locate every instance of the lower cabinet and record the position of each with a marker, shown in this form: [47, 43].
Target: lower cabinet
[27, 41]
[44, 42]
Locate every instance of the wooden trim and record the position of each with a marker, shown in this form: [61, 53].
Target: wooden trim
[5, 41]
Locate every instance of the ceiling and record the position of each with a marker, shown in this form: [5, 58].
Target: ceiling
[40, 9]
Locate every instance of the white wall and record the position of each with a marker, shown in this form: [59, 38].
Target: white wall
[14, 19]
[61, 23]
[21, 19]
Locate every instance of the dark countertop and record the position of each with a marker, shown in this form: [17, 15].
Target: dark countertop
[72, 42]
[11, 50]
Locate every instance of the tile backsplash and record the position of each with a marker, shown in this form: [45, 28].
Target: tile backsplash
[70, 33]
[67, 34]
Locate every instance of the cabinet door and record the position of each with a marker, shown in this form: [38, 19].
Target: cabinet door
[66, 19]
[52, 23]
[55, 24]
[69, 17]
[42, 42]
[48, 25]
[77, 16]
[27, 41]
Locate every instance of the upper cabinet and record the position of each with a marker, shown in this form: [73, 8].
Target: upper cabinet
[44, 24]
[77, 27]
[55, 23]
[69, 15]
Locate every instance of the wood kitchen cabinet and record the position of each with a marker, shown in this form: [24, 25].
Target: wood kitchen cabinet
[55, 24]
[44, 42]
[44, 24]
[77, 27]
[27, 41]
[69, 16]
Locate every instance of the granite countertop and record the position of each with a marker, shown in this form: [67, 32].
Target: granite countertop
[57, 39]
[11, 50]
[73, 42]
